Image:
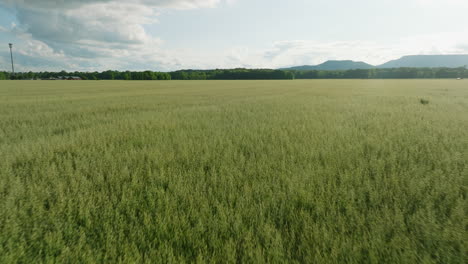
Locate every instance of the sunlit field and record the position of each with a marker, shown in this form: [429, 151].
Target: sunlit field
[320, 171]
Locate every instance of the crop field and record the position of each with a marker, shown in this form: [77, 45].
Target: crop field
[323, 171]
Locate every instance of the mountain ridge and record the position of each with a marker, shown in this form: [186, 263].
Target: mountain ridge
[335, 65]
[410, 61]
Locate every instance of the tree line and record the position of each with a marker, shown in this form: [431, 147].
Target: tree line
[250, 74]
[391, 73]
[105, 75]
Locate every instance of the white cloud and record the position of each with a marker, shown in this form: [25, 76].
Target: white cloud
[300, 52]
[67, 4]
[101, 30]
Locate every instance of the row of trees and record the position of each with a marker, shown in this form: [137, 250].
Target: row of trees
[251, 74]
[106, 75]
[232, 74]
[394, 73]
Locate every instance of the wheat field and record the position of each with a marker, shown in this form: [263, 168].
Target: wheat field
[322, 171]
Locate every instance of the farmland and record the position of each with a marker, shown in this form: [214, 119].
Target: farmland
[322, 171]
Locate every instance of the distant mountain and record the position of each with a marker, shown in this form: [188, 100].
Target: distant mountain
[413, 61]
[429, 61]
[332, 65]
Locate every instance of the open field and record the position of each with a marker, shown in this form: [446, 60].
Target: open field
[234, 171]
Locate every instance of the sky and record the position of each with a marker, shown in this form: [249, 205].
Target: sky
[165, 35]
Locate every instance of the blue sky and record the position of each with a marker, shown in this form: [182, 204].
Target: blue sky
[178, 34]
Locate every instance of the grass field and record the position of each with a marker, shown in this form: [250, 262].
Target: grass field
[234, 171]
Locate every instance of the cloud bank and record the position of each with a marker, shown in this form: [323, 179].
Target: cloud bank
[111, 33]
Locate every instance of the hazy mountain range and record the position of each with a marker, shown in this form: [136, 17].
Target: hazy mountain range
[413, 61]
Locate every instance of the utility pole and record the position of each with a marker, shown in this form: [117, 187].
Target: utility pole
[11, 54]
